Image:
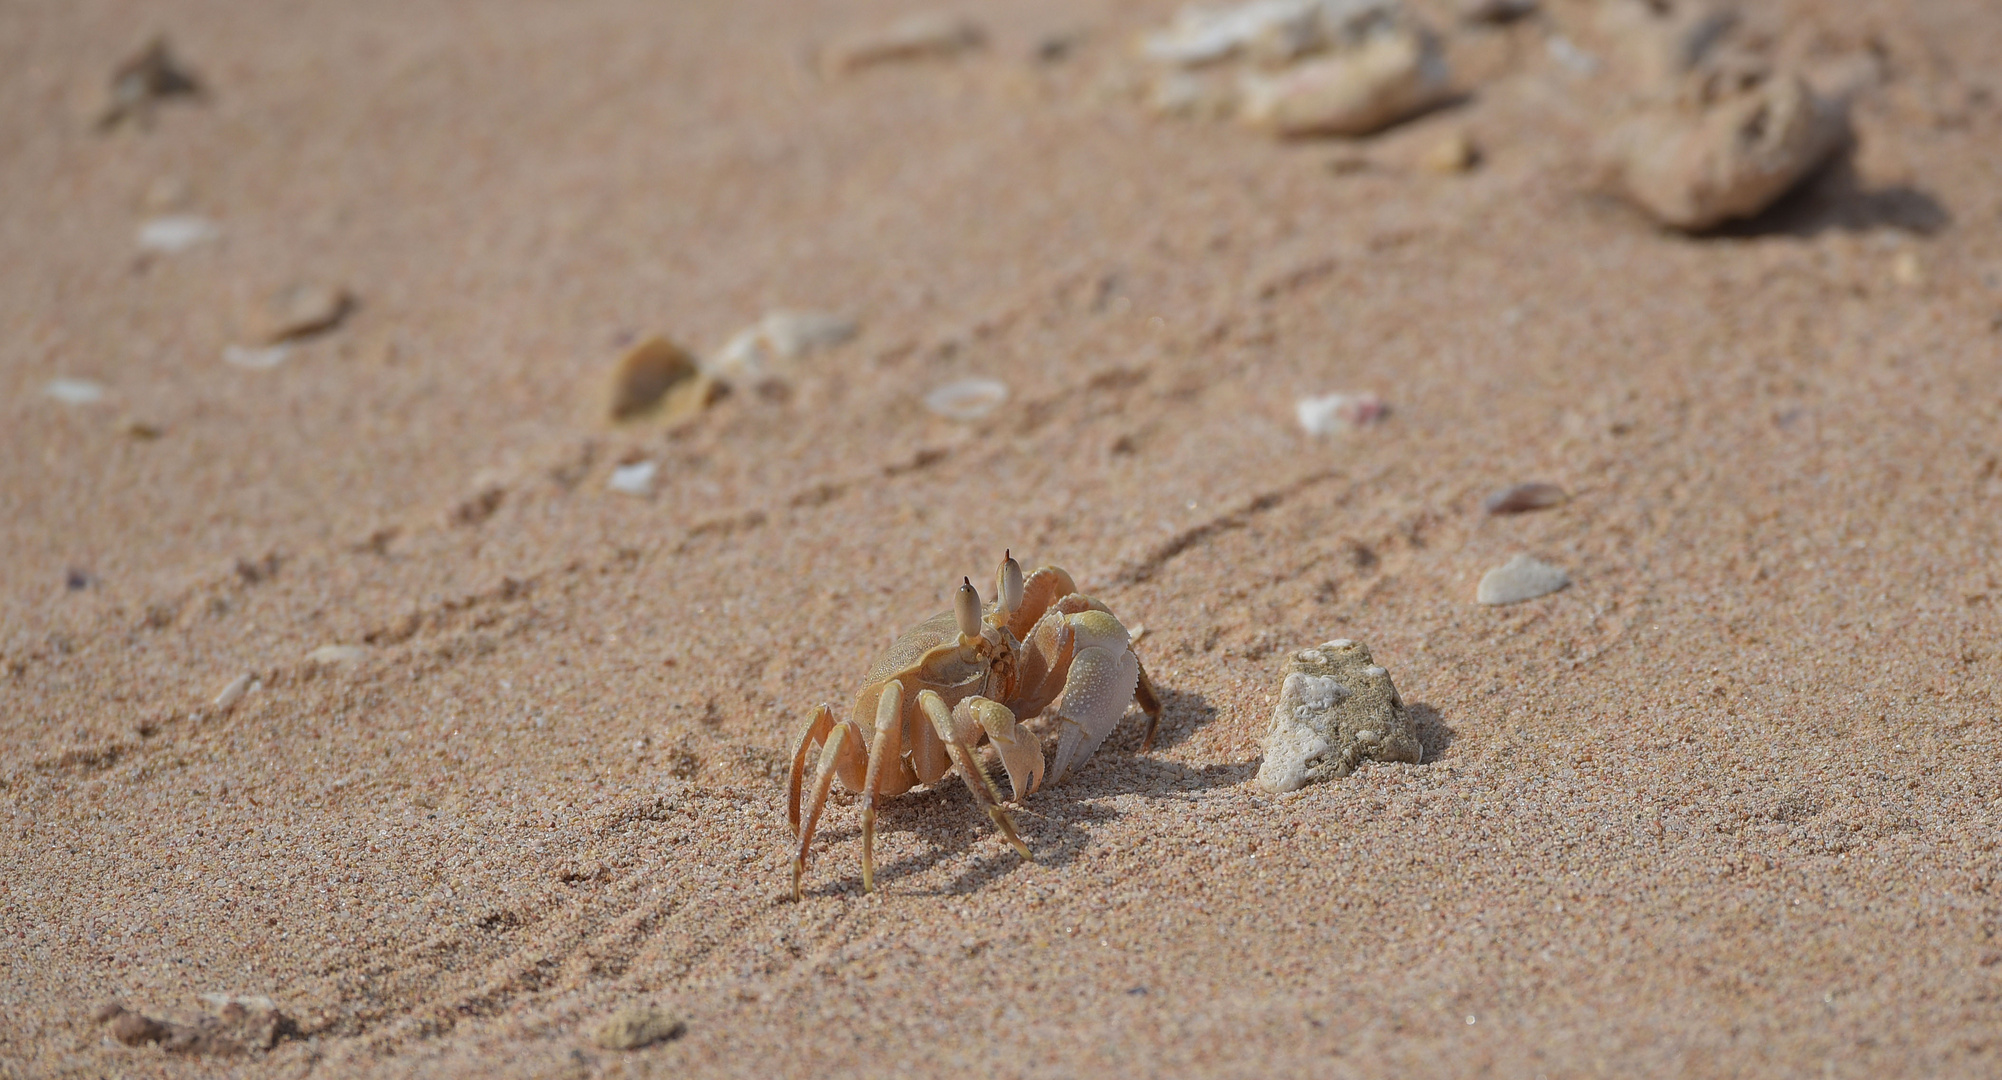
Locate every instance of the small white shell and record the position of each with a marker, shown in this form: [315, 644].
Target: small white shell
[176, 233]
[967, 399]
[634, 479]
[263, 359]
[73, 391]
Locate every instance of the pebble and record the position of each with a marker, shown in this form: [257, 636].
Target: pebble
[1727, 147]
[1496, 11]
[303, 310]
[760, 351]
[1337, 709]
[1392, 73]
[1456, 153]
[142, 82]
[176, 233]
[256, 358]
[73, 391]
[141, 430]
[658, 380]
[233, 693]
[967, 399]
[333, 655]
[1337, 413]
[634, 479]
[637, 1026]
[916, 37]
[1521, 498]
[1521, 578]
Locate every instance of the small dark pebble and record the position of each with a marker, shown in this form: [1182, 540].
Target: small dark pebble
[76, 580]
[1525, 497]
[1138, 991]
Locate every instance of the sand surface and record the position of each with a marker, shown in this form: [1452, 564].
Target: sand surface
[1727, 805]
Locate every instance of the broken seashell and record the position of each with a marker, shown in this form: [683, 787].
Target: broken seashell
[758, 352]
[1521, 578]
[332, 655]
[73, 391]
[1521, 498]
[1273, 32]
[634, 479]
[142, 82]
[916, 37]
[657, 379]
[1339, 412]
[257, 359]
[303, 310]
[967, 399]
[176, 233]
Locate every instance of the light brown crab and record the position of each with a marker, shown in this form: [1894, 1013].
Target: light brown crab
[959, 679]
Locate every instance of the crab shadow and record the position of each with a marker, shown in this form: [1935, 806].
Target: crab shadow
[1057, 822]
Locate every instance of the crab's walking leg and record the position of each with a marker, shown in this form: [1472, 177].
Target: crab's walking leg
[959, 744]
[812, 733]
[830, 757]
[889, 727]
[1149, 700]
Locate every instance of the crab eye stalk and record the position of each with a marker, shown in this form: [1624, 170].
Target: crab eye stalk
[966, 608]
[1009, 591]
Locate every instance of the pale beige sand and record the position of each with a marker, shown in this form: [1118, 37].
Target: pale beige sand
[1725, 806]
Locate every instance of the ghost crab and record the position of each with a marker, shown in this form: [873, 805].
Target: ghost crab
[964, 677]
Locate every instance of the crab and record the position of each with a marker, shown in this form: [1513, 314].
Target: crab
[966, 677]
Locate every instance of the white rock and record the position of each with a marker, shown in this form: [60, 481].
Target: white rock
[1521, 578]
[1336, 413]
[233, 693]
[73, 391]
[331, 655]
[967, 399]
[1272, 31]
[1336, 710]
[758, 352]
[1389, 75]
[634, 479]
[256, 358]
[176, 233]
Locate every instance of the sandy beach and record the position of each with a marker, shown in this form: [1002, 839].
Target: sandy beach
[369, 711]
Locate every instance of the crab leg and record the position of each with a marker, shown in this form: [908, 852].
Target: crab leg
[816, 729]
[830, 756]
[1149, 700]
[889, 726]
[977, 781]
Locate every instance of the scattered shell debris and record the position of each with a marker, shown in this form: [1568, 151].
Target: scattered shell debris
[1336, 413]
[761, 351]
[658, 380]
[637, 1026]
[1305, 67]
[335, 655]
[1522, 498]
[634, 479]
[303, 310]
[1521, 578]
[73, 391]
[967, 399]
[233, 693]
[1337, 709]
[256, 358]
[914, 37]
[1727, 146]
[141, 83]
[175, 233]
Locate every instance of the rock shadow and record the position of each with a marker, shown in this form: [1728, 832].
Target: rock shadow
[1836, 198]
[1434, 733]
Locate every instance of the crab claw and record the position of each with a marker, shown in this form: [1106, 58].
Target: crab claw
[1021, 752]
[1103, 676]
